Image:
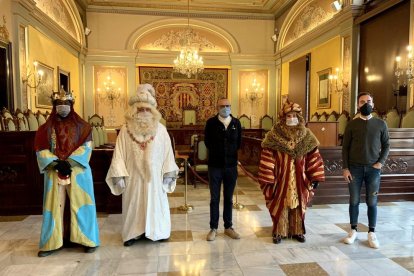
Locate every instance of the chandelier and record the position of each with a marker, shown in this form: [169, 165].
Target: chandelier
[407, 70]
[188, 62]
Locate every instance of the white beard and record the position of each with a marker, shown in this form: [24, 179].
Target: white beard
[143, 127]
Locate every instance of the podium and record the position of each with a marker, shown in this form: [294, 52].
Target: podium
[326, 132]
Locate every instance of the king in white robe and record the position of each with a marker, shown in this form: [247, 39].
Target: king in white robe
[144, 166]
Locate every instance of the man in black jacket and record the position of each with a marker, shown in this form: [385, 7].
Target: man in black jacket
[222, 139]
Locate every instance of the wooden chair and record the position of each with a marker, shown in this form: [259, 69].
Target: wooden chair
[342, 123]
[6, 113]
[266, 122]
[245, 121]
[95, 138]
[22, 120]
[315, 117]
[189, 115]
[31, 119]
[41, 118]
[200, 158]
[96, 120]
[408, 119]
[392, 118]
[10, 124]
[323, 117]
[333, 117]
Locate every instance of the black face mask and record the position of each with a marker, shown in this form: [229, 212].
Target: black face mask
[366, 109]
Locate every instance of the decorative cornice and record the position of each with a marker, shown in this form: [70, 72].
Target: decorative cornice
[173, 40]
[310, 18]
[322, 33]
[216, 15]
[57, 11]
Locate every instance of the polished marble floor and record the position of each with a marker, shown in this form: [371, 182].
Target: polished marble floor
[188, 253]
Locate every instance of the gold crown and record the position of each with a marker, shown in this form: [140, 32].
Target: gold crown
[62, 95]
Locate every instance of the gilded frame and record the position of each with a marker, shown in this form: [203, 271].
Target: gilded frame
[324, 89]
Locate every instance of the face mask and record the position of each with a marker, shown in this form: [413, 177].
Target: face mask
[63, 110]
[144, 114]
[366, 109]
[292, 121]
[225, 112]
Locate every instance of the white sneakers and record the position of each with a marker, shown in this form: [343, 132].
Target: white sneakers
[372, 238]
[352, 235]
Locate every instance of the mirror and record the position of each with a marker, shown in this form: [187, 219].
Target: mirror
[6, 76]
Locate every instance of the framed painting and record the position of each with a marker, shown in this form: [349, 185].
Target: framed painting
[324, 93]
[63, 79]
[45, 88]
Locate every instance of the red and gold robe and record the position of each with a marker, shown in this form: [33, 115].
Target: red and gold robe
[287, 169]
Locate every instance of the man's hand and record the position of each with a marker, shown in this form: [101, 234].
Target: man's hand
[63, 167]
[347, 175]
[377, 165]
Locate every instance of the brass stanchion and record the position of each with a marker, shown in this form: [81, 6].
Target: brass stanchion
[185, 207]
[237, 205]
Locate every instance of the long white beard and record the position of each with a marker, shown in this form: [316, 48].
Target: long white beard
[143, 127]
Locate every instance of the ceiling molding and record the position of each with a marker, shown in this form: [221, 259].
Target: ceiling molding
[217, 15]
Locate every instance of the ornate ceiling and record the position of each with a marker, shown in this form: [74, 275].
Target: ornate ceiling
[241, 7]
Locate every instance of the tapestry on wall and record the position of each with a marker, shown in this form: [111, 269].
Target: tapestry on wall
[175, 92]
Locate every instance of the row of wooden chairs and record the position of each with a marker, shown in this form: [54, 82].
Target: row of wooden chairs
[266, 122]
[392, 117]
[21, 121]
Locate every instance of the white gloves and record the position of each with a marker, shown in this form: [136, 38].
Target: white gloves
[120, 182]
[167, 180]
[168, 184]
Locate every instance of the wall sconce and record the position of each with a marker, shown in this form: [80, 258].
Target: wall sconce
[408, 71]
[337, 82]
[255, 92]
[33, 78]
[109, 93]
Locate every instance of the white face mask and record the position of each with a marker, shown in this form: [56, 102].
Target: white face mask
[63, 110]
[144, 114]
[292, 121]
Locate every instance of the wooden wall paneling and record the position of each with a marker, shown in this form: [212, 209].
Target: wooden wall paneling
[299, 83]
[21, 184]
[378, 58]
[326, 132]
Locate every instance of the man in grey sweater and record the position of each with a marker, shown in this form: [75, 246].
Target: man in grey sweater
[365, 148]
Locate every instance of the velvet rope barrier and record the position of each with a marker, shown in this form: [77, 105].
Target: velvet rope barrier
[197, 175]
[240, 165]
[246, 172]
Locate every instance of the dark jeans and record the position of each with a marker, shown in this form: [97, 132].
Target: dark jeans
[228, 176]
[371, 178]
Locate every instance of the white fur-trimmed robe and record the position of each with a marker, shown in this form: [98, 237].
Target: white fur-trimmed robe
[145, 207]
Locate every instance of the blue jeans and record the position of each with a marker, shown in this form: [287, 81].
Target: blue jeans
[371, 178]
[215, 176]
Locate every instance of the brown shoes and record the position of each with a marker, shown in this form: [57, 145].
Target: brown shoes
[231, 233]
[211, 236]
